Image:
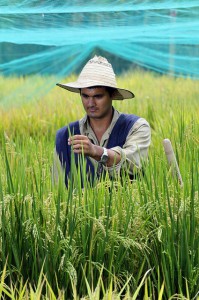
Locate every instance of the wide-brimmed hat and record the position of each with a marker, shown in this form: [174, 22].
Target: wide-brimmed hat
[97, 72]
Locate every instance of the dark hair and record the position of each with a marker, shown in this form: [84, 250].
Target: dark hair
[109, 89]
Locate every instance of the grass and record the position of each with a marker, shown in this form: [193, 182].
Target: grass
[118, 240]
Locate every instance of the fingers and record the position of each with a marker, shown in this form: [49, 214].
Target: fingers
[79, 144]
[77, 139]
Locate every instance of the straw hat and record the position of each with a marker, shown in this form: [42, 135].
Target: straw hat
[97, 72]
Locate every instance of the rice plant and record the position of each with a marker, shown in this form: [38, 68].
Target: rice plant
[118, 239]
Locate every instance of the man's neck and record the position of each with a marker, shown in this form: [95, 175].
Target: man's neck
[100, 125]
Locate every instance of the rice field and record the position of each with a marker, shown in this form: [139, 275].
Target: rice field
[118, 240]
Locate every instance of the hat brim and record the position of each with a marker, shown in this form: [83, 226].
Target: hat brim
[119, 94]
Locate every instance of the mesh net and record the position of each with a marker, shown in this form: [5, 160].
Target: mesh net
[57, 37]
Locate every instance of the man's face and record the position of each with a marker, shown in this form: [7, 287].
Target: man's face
[97, 102]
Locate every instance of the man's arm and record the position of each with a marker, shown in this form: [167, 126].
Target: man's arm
[135, 148]
[129, 156]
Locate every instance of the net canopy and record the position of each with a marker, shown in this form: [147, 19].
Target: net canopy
[58, 37]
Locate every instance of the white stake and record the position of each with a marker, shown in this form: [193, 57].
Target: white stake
[172, 160]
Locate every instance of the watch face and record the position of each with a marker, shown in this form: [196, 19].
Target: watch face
[104, 158]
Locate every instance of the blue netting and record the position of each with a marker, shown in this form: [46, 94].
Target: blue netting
[57, 37]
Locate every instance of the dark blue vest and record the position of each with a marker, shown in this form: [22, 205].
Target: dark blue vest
[117, 138]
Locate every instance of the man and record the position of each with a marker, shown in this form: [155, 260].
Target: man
[108, 140]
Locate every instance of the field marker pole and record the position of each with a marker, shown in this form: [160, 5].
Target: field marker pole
[171, 158]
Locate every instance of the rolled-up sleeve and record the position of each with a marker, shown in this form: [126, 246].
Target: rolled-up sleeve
[135, 149]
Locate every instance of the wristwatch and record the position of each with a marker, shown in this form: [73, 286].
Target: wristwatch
[104, 157]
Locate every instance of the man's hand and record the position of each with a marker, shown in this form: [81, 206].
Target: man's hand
[82, 144]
